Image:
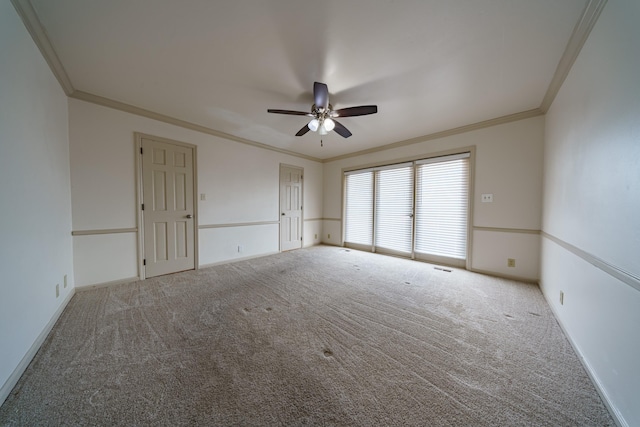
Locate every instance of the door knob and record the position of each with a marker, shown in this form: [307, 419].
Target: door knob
[189, 216]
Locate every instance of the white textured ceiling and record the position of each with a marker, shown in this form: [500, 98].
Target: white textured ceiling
[429, 65]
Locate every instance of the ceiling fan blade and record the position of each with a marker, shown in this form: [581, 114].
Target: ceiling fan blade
[341, 130]
[321, 95]
[362, 110]
[293, 113]
[302, 131]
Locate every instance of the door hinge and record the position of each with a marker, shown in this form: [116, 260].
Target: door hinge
[143, 206]
[140, 150]
[144, 262]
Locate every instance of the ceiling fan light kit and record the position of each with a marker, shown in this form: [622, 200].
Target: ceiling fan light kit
[313, 124]
[323, 115]
[329, 124]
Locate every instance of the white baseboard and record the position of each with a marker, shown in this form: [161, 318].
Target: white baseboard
[107, 284]
[615, 414]
[227, 261]
[28, 357]
[505, 276]
[338, 245]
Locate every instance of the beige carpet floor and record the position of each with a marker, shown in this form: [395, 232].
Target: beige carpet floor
[318, 336]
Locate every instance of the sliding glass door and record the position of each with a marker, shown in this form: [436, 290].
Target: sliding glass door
[417, 209]
[359, 205]
[394, 209]
[442, 205]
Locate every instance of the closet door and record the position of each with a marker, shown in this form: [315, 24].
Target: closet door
[169, 227]
[291, 180]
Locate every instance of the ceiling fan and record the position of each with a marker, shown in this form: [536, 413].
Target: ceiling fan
[323, 115]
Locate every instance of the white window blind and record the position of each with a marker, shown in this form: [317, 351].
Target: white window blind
[380, 208]
[442, 196]
[359, 208]
[394, 208]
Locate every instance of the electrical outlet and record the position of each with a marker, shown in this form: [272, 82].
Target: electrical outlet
[239, 248]
[203, 196]
[65, 280]
[561, 298]
[57, 290]
[487, 198]
[315, 236]
[328, 236]
[511, 262]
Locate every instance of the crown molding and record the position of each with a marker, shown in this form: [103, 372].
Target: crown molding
[32, 23]
[39, 35]
[579, 36]
[437, 135]
[577, 40]
[580, 33]
[117, 105]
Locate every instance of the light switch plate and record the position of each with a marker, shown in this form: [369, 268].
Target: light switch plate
[487, 198]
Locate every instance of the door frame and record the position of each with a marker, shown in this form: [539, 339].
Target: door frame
[138, 136]
[285, 165]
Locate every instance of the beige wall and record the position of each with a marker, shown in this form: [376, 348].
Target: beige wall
[589, 144]
[508, 164]
[241, 184]
[35, 226]
[591, 217]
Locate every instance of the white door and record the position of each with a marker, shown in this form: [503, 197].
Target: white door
[290, 208]
[168, 207]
